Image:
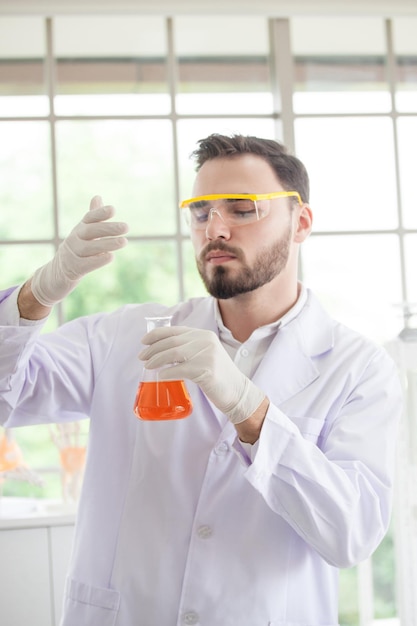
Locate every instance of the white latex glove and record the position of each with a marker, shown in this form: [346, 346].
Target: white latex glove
[198, 355]
[88, 247]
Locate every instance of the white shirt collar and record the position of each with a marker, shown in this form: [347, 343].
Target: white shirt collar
[263, 331]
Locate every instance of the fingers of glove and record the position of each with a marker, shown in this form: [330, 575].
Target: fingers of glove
[95, 254]
[179, 343]
[88, 231]
[164, 332]
[98, 211]
[89, 247]
[196, 355]
[74, 267]
[94, 224]
[96, 202]
[162, 354]
[98, 214]
[178, 371]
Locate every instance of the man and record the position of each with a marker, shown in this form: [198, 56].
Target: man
[241, 513]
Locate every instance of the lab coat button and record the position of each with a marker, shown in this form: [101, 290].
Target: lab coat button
[205, 532]
[244, 352]
[190, 618]
[221, 448]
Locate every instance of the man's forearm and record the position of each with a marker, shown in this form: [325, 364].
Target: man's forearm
[250, 430]
[29, 307]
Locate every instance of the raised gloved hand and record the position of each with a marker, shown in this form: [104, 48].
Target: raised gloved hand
[88, 247]
[198, 355]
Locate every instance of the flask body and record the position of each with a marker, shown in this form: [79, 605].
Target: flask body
[161, 399]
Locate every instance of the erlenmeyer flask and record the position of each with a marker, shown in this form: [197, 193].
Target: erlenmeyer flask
[161, 399]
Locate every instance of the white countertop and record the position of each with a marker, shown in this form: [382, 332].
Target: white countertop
[34, 513]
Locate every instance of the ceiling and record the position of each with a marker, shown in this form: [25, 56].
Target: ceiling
[273, 8]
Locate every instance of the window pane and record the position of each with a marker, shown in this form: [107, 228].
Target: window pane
[141, 272]
[223, 65]
[405, 48]
[340, 65]
[190, 131]
[352, 172]
[25, 189]
[128, 162]
[411, 265]
[22, 67]
[111, 65]
[384, 583]
[18, 262]
[357, 278]
[348, 597]
[407, 129]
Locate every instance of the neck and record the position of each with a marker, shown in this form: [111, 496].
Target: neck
[247, 312]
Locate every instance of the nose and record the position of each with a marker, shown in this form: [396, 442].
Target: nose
[216, 226]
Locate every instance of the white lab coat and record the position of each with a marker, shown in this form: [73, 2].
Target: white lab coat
[176, 524]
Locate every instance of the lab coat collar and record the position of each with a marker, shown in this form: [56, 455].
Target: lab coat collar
[312, 327]
[289, 365]
[201, 314]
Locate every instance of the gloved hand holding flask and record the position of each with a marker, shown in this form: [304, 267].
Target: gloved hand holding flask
[198, 355]
[158, 398]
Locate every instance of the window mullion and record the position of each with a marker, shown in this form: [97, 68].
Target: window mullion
[51, 88]
[282, 77]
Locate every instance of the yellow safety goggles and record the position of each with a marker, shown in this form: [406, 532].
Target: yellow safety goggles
[232, 208]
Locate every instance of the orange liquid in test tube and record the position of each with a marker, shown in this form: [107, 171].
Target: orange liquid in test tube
[162, 400]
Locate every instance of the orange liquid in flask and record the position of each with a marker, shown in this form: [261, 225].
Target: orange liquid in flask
[162, 400]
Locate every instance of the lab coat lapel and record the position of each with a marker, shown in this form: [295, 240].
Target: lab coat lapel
[201, 315]
[288, 366]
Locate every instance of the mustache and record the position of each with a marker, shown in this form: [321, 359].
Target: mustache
[222, 247]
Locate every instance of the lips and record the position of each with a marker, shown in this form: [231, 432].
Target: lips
[219, 256]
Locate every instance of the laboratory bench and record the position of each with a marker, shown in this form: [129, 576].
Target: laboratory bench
[35, 545]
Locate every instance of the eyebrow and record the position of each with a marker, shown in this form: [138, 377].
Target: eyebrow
[199, 203]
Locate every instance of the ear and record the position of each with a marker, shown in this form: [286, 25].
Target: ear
[304, 223]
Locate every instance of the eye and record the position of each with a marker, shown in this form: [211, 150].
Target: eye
[199, 212]
[241, 209]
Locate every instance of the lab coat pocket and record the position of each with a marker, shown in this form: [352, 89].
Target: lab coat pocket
[84, 604]
[309, 427]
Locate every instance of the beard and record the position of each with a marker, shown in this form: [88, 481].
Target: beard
[223, 284]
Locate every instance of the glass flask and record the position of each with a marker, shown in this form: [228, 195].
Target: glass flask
[161, 399]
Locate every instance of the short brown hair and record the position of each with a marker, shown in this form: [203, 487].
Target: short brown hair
[290, 171]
